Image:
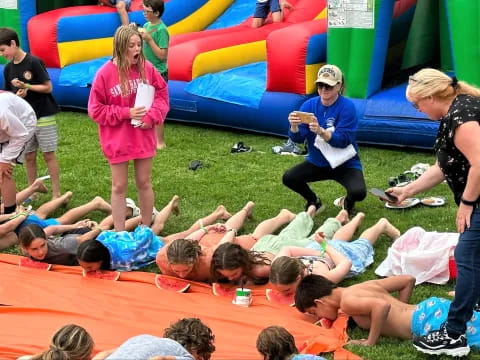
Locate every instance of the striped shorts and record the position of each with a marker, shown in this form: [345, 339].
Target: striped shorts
[45, 137]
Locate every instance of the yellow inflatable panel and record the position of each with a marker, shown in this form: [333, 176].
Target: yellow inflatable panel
[229, 57]
[310, 77]
[72, 52]
[322, 15]
[201, 18]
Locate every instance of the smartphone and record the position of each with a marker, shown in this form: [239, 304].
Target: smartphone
[305, 117]
[383, 195]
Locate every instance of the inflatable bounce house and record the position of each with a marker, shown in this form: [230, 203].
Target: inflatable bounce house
[224, 73]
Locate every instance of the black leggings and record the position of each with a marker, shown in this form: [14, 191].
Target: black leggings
[298, 177]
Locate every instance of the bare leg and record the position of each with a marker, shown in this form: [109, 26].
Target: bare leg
[122, 12]
[77, 213]
[143, 171]
[382, 226]
[237, 220]
[220, 213]
[54, 171]
[161, 137]
[118, 195]
[346, 232]
[271, 225]
[277, 16]
[164, 214]
[36, 186]
[8, 240]
[43, 211]
[257, 22]
[8, 189]
[31, 166]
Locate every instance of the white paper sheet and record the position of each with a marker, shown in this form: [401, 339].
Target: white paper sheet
[145, 95]
[335, 156]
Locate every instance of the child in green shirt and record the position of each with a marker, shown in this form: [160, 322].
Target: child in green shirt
[155, 47]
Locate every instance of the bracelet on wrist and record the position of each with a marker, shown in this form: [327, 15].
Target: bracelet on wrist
[99, 228]
[27, 86]
[467, 202]
[323, 247]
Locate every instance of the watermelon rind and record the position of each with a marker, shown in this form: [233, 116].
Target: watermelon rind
[275, 297]
[165, 283]
[220, 290]
[26, 262]
[104, 275]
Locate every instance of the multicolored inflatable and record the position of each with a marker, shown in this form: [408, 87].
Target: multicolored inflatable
[222, 72]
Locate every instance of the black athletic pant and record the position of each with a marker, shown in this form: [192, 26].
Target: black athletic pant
[298, 177]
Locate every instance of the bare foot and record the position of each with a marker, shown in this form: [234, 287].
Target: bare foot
[174, 202]
[390, 230]
[342, 216]
[311, 211]
[66, 197]
[161, 146]
[102, 205]
[39, 186]
[249, 209]
[56, 195]
[223, 213]
[287, 213]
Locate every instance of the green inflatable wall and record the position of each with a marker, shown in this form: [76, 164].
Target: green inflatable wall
[9, 17]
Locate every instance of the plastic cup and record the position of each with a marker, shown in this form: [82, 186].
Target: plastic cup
[243, 297]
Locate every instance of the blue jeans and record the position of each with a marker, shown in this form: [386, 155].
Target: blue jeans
[467, 289]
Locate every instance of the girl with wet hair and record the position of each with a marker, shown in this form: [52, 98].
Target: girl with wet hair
[190, 258]
[232, 263]
[127, 132]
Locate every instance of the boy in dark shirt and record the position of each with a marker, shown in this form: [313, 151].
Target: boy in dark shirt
[26, 76]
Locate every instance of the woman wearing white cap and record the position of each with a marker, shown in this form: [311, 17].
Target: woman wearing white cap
[331, 127]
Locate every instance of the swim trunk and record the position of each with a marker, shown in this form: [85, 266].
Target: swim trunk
[431, 313]
[45, 137]
[131, 250]
[263, 7]
[34, 219]
[360, 252]
[127, 3]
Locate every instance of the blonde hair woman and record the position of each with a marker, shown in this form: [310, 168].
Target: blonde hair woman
[456, 105]
[70, 342]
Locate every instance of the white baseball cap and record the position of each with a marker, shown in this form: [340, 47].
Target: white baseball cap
[329, 74]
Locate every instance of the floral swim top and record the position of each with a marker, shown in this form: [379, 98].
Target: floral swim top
[452, 162]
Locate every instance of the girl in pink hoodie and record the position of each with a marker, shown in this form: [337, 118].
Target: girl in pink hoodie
[111, 106]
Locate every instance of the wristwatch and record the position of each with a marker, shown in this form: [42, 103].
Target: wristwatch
[469, 203]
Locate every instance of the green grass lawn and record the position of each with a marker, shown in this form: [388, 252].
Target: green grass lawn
[233, 179]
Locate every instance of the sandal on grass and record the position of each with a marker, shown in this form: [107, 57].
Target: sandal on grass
[131, 205]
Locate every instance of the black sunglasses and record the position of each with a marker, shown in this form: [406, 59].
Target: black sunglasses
[324, 86]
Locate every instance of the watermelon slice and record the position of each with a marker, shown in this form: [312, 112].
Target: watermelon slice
[171, 284]
[27, 262]
[223, 290]
[279, 298]
[105, 275]
[325, 323]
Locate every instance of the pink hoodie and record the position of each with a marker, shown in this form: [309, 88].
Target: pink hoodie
[120, 141]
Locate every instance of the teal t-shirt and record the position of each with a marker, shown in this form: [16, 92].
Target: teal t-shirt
[159, 33]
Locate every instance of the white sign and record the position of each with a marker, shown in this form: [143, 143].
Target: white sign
[351, 14]
[8, 4]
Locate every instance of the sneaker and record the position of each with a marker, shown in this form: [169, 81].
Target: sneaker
[288, 148]
[439, 342]
[240, 147]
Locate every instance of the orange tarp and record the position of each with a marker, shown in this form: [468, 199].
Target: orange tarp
[37, 302]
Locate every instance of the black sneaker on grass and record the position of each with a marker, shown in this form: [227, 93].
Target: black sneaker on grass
[440, 342]
[240, 147]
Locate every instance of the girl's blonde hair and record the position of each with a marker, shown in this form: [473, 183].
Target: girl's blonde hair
[121, 40]
[432, 82]
[285, 270]
[70, 342]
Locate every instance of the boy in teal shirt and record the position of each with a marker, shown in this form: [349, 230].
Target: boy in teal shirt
[155, 46]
